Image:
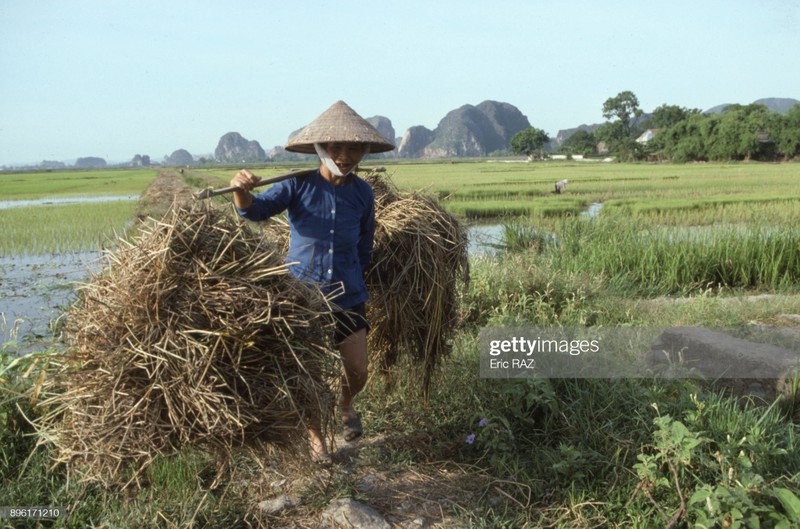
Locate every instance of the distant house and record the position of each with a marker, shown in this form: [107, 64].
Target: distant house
[646, 136]
[602, 147]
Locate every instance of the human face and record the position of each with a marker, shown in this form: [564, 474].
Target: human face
[345, 155]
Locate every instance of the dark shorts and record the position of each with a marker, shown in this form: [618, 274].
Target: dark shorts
[349, 321]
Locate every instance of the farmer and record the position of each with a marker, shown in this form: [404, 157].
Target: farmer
[331, 215]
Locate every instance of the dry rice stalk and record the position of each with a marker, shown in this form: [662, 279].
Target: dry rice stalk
[419, 265]
[196, 334]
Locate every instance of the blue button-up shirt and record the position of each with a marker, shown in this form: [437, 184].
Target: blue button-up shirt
[332, 230]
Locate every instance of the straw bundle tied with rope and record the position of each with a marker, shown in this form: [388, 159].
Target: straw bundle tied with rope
[193, 334]
[419, 266]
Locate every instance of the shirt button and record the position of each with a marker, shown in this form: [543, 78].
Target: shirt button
[331, 231]
[330, 271]
[333, 211]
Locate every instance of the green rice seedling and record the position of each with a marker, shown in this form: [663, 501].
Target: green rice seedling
[53, 229]
[696, 187]
[487, 209]
[485, 189]
[772, 210]
[53, 184]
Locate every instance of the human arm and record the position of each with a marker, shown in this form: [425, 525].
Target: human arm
[277, 198]
[245, 181]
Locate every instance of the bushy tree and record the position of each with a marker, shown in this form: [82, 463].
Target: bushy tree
[619, 141]
[529, 142]
[668, 115]
[745, 133]
[621, 110]
[581, 142]
[788, 137]
[684, 141]
[624, 107]
[741, 132]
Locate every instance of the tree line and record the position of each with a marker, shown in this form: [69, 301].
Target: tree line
[740, 132]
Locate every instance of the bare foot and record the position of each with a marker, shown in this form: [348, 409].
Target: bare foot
[319, 453]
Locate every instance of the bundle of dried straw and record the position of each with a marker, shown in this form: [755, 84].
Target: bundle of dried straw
[419, 266]
[193, 334]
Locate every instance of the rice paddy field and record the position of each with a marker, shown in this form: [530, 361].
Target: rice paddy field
[663, 194]
[628, 245]
[675, 194]
[691, 194]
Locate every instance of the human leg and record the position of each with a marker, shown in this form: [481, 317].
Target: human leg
[353, 351]
[319, 450]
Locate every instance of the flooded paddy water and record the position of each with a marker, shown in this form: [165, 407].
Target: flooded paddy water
[36, 289]
[8, 204]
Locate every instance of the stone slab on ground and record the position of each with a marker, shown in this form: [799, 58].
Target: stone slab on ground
[346, 513]
[727, 360]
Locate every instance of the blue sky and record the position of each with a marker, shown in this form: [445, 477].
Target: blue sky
[117, 78]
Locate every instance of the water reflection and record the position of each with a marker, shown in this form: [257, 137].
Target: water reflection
[593, 211]
[8, 204]
[483, 239]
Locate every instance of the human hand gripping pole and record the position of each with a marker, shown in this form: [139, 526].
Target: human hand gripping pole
[209, 192]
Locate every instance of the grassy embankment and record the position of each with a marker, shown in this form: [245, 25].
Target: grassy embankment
[566, 453]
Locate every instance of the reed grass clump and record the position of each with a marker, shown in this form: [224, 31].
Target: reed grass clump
[419, 268]
[193, 334]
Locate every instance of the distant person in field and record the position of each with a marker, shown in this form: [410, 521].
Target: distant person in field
[561, 185]
[331, 215]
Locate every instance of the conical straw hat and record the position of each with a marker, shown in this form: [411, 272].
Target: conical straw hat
[339, 123]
